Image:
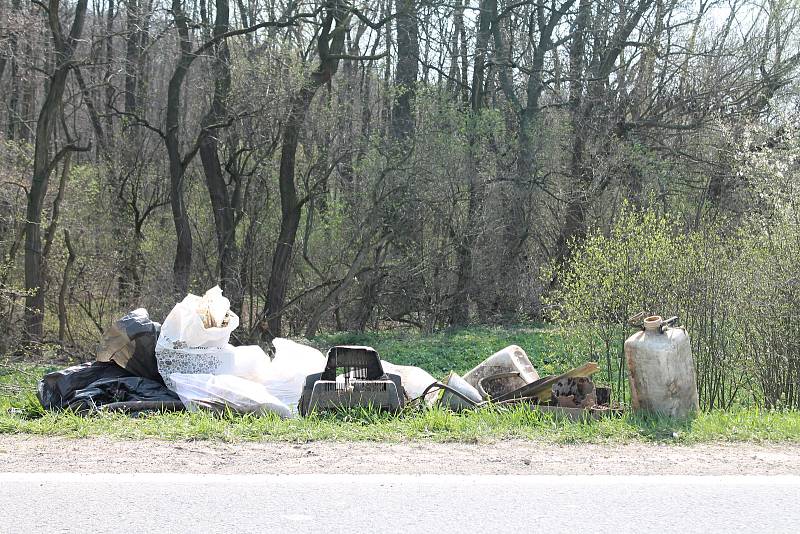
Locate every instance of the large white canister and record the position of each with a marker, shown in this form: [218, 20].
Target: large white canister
[661, 367]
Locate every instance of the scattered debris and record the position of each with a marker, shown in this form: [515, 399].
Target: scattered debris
[414, 379]
[219, 393]
[189, 362]
[455, 399]
[541, 390]
[187, 346]
[576, 392]
[131, 343]
[290, 367]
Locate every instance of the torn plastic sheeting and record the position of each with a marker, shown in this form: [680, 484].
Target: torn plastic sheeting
[130, 342]
[55, 390]
[214, 309]
[227, 391]
[120, 390]
[194, 340]
[249, 362]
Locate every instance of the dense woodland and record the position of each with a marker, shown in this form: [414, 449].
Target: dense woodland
[351, 165]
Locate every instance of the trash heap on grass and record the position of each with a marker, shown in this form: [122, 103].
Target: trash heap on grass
[189, 363]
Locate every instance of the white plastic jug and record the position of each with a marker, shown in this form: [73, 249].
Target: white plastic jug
[661, 369]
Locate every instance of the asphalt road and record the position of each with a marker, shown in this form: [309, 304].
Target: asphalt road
[192, 503]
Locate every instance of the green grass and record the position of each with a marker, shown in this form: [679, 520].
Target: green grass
[20, 411]
[450, 350]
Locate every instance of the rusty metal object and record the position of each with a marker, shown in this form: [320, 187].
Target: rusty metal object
[541, 390]
[575, 392]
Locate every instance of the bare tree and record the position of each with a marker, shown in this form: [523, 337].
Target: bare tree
[44, 161]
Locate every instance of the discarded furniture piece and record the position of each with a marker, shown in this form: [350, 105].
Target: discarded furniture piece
[353, 376]
[502, 372]
[661, 368]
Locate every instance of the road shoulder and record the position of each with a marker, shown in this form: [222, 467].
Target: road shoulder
[29, 453]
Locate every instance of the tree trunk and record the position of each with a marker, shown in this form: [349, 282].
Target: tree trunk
[43, 163]
[290, 211]
[110, 90]
[330, 45]
[459, 312]
[370, 293]
[517, 199]
[584, 190]
[222, 202]
[575, 216]
[63, 318]
[402, 124]
[181, 267]
[332, 298]
[26, 112]
[15, 80]
[132, 52]
[407, 223]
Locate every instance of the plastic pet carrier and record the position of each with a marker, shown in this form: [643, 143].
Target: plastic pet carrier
[353, 377]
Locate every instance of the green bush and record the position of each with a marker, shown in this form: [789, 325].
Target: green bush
[735, 294]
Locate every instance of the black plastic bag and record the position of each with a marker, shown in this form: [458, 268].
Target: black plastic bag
[131, 344]
[130, 390]
[57, 389]
[89, 386]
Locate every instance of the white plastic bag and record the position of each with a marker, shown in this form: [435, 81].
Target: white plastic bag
[194, 339]
[414, 379]
[287, 373]
[185, 326]
[226, 391]
[213, 308]
[248, 362]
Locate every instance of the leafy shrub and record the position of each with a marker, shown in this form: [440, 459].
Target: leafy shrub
[735, 293]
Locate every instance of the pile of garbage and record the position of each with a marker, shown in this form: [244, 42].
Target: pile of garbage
[188, 363]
